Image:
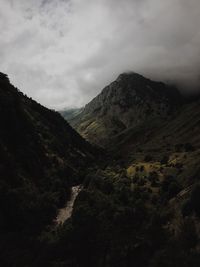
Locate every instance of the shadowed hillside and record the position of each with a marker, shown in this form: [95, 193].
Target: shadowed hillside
[41, 157]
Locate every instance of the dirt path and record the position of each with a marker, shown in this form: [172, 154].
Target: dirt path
[66, 212]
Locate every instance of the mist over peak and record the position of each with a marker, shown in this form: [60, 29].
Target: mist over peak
[62, 53]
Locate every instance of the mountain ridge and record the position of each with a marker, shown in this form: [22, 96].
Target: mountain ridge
[130, 100]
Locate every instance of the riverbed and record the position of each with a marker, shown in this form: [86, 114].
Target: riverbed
[66, 212]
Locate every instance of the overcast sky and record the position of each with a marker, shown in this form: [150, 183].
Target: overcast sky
[63, 52]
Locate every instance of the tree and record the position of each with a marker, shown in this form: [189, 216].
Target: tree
[195, 199]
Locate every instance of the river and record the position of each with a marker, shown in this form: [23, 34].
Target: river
[66, 212]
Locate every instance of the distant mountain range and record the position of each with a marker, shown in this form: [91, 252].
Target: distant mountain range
[69, 114]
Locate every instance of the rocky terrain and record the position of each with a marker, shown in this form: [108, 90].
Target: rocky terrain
[129, 102]
[66, 212]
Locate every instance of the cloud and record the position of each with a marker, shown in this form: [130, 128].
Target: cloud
[63, 52]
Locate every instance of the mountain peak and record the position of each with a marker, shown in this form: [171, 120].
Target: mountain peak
[129, 101]
[129, 75]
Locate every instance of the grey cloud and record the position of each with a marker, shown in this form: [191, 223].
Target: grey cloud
[63, 52]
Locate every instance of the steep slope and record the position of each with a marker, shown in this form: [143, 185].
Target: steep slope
[41, 157]
[130, 101]
[182, 128]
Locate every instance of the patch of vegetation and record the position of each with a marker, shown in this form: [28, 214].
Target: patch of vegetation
[170, 187]
[192, 205]
[187, 147]
[164, 160]
[148, 158]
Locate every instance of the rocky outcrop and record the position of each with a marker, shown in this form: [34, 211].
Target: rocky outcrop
[129, 101]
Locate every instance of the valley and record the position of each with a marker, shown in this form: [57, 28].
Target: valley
[120, 180]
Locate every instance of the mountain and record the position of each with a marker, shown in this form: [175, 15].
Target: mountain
[163, 136]
[68, 114]
[135, 117]
[143, 207]
[138, 202]
[130, 101]
[41, 157]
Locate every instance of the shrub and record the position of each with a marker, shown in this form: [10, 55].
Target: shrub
[165, 184]
[154, 199]
[188, 237]
[179, 147]
[186, 208]
[164, 160]
[170, 188]
[188, 147]
[173, 189]
[179, 165]
[141, 182]
[137, 168]
[148, 158]
[195, 199]
[153, 178]
[141, 168]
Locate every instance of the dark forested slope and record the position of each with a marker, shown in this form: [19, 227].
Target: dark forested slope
[41, 157]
